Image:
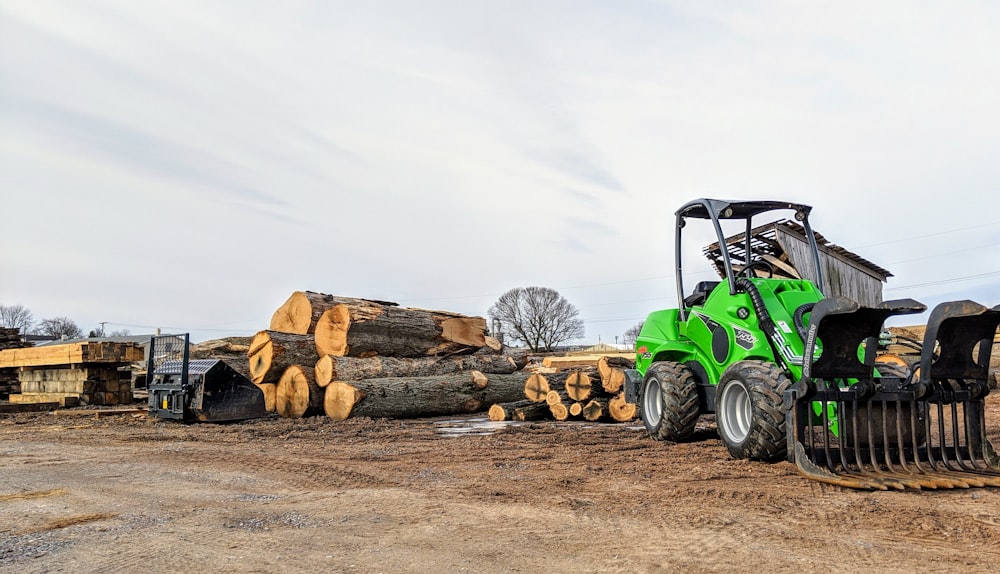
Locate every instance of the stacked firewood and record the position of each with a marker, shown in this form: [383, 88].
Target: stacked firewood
[340, 357]
[591, 392]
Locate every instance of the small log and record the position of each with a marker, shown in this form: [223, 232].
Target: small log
[559, 411]
[364, 328]
[554, 397]
[594, 410]
[575, 409]
[620, 410]
[271, 352]
[411, 397]
[330, 368]
[500, 412]
[297, 394]
[531, 412]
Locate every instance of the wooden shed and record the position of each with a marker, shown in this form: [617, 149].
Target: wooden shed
[783, 244]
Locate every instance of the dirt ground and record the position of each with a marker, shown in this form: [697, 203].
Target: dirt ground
[129, 493]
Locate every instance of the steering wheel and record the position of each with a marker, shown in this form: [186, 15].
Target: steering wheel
[758, 264]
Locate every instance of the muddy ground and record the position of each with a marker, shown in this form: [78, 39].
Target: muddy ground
[130, 493]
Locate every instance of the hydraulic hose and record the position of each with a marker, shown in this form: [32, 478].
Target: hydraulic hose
[799, 319]
[744, 285]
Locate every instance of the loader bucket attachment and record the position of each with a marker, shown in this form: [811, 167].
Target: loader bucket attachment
[203, 390]
[850, 425]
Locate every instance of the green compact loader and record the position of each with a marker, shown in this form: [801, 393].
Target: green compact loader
[791, 374]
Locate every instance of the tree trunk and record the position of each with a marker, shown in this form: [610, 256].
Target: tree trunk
[363, 328]
[330, 368]
[411, 397]
[578, 386]
[271, 352]
[297, 394]
[300, 313]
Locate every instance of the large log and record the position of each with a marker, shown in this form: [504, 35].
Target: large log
[302, 310]
[330, 368]
[621, 410]
[364, 328]
[271, 352]
[412, 397]
[297, 394]
[612, 372]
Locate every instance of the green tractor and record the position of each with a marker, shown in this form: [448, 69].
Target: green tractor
[792, 375]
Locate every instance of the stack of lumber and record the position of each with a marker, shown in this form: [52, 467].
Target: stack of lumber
[89, 373]
[340, 357]
[583, 388]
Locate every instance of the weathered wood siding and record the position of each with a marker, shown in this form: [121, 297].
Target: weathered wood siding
[841, 277]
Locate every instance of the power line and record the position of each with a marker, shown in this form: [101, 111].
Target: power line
[900, 240]
[945, 281]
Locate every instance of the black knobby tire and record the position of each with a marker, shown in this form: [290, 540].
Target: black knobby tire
[668, 401]
[748, 411]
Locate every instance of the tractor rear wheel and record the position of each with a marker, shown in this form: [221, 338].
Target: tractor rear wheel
[748, 410]
[668, 401]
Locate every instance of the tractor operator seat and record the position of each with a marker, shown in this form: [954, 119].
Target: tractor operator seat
[700, 294]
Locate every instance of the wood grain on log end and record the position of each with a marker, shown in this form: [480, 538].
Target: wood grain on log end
[479, 380]
[269, 390]
[578, 386]
[339, 400]
[497, 413]
[553, 398]
[259, 356]
[593, 410]
[465, 331]
[324, 371]
[575, 409]
[331, 331]
[559, 411]
[621, 410]
[536, 387]
[294, 315]
[294, 391]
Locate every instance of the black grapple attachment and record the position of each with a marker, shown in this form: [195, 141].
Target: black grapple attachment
[855, 423]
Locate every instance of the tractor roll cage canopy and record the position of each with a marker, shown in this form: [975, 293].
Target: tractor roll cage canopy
[718, 209]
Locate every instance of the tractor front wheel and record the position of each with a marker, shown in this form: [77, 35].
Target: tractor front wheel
[668, 401]
[748, 410]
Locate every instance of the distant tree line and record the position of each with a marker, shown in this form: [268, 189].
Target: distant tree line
[21, 318]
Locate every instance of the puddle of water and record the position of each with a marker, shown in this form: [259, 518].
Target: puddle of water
[471, 426]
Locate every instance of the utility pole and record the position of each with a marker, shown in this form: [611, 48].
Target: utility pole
[103, 323]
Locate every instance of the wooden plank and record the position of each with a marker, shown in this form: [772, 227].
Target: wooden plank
[64, 400]
[98, 413]
[781, 265]
[27, 407]
[580, 360]
[71, 354]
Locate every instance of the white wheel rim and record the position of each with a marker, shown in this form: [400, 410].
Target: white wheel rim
[736, 412]
[652, 402]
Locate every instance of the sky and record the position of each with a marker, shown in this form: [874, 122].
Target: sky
[189, 165]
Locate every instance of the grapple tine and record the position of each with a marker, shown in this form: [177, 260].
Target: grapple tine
[852, 427]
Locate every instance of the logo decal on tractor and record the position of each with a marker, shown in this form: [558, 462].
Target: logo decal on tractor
[644, 351]
[745, 338]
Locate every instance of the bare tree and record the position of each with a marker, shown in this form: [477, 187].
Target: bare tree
[632, 333]
[16, 317]
[539, 317]
[59, 327]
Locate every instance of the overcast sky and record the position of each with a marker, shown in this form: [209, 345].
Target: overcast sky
[188, 165]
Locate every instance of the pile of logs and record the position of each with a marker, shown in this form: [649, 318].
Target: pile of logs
[585, 389]
[10, 338]
[347, 357]
[342, 357]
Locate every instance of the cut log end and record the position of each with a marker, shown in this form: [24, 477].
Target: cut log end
[465, 331]
[479, 380]
[294, 315]
[498, 413]
[620, 410]
[259, 356]
[536, 387]
[324, 371]
[593, 411]
[339, 400]
[575, 409]
[269, 390]
[331, 331]
[559, 411]
[578, 386]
